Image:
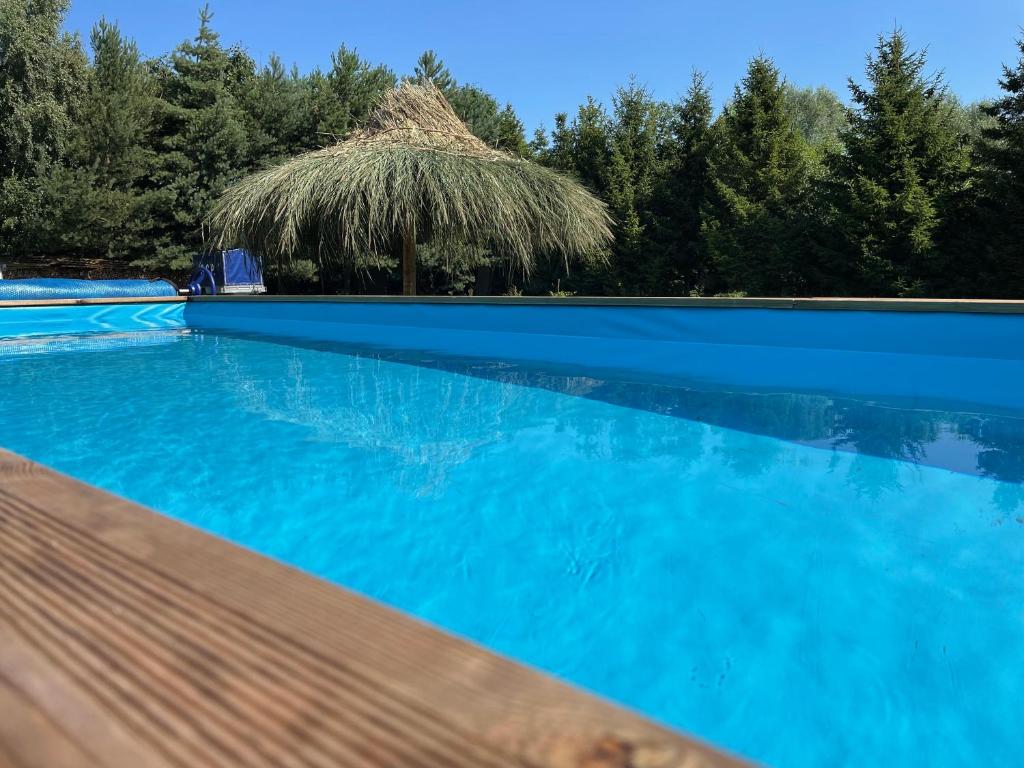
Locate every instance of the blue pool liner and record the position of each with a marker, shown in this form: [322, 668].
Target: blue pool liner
[21, 322]
[971, 358]
[41, 288]
[963, 359]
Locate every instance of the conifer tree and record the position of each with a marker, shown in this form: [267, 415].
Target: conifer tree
[760, 175]
[1001, 157]
[584, 149]
[430, 67]
[539, 145]
[478, 110]
[630, 183]
[204, 143]
[474, 106]
[274, 108]
[685, 190]
[356, 85]
[902, 165]
[323, 114]
[511, 135]
[561, 155]
[101, 203]
[589, 151]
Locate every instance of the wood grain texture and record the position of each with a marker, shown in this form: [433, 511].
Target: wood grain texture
[128, 639]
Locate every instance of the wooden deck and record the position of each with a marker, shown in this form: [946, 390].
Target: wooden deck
[128, 639]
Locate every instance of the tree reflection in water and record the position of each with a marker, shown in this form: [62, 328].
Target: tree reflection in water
[365, 411]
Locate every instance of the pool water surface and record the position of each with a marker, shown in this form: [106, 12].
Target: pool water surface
[800, 578]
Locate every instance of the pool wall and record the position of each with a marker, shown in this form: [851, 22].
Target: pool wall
[26, 319]
[961, 352]
[934, 354]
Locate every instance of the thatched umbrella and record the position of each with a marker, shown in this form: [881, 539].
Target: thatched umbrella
[413, 173]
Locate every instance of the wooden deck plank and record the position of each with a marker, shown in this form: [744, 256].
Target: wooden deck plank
[129, 639]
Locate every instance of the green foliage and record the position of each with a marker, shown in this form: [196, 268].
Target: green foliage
[903, 162]
[430, 67]
[685, 192]
[760, 172]
[630, 182]
[42, 73]
[539, 146]
[590, 148]
[905, 191]
[274, 108]
[1000, 218]
[102, 200]
[817, 115]
[355, 87]
[478, 110]
[511, 135]
[203, 140]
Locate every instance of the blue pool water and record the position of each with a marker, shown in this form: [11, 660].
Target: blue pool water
[804, 579]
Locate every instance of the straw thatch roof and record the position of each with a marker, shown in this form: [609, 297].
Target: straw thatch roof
[413, 171]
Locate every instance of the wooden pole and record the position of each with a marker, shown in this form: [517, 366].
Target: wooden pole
[409, 261]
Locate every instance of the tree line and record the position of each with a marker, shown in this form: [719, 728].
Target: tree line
[109, 162]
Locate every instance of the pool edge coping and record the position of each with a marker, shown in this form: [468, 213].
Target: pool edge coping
[498, 705]
[986, 306]
[92, 301]
[971, 306]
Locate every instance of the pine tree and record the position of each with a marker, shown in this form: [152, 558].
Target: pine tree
[630, 186]
[1001, 158]
[760, 177]
[356, 85]
[474, 106]
[430, 67]
[587, 154]
[902, 166]
[684, 191]
[561, 155]
[589, 151]
[478, 110]
[204, 141]
[539, 145]
[511, 136]
[275, 114]
[100, 203]
[324, 114]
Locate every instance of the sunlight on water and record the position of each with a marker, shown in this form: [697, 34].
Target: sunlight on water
[805, 580]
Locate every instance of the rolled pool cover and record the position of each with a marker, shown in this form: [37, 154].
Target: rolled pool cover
[66, 288]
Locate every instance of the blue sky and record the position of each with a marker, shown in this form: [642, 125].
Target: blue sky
[544, 57]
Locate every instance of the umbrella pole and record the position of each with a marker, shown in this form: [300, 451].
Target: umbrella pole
[409, 261]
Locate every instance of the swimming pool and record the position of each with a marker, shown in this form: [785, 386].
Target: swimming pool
[809, 555]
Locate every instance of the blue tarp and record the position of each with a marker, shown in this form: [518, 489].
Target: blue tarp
[65, 288]
[234, 271]
[241, 269]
